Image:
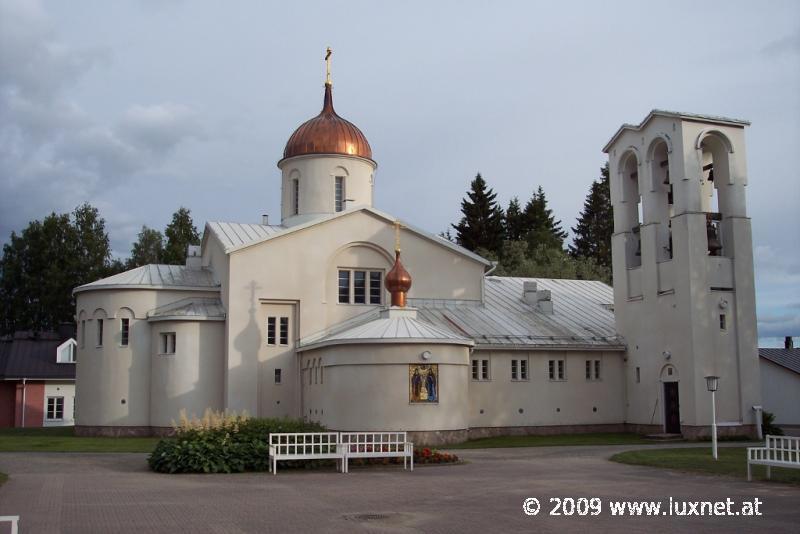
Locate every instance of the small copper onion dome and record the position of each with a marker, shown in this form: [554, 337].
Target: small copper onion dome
[328, 133]
[398, 282]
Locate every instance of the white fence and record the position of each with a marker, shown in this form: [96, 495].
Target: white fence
[778, 451]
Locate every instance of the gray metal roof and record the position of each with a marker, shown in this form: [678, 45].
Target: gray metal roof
[156, 277]
[678, 115]
[189, 309]
[788, 358]
[392, 330]
[234, 235]
[33, 355]
[582, 317]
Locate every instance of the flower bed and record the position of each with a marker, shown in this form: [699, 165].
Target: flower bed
[423, 455]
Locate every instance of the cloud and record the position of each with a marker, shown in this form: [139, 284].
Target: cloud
[788, 45]
[53, 154]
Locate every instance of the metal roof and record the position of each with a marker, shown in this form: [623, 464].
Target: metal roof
[236, 236]
[675, 114]
[788, 358]
[582, 317]
[406, 329]
[156, 277]
[29, 355]
[582, 320]
[189, 309]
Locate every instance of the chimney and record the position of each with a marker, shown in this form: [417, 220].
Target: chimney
[788, 343]
[193, 259]
[265, 219]
[540, 298]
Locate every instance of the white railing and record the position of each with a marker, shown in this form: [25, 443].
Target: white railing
[305, 446]
[778, 451]
[376, 445]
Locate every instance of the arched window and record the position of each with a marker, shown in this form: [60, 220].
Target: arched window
[714, 187]
[629, 175]
[339, 194]
[661, 210]
[295, 196]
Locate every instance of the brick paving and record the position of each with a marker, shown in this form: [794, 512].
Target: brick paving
[102, 493]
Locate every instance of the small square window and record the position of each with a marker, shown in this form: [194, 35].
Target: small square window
[722, 322]
[277, 376]
[168, 343]
[124, 332]
[270, 330]
[284, 331]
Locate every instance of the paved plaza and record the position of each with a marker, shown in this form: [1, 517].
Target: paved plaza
[101, 493]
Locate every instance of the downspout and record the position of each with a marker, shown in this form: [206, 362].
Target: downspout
[23, 402]
[492, 269]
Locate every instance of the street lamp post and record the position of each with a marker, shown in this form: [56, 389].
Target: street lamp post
[711, 383]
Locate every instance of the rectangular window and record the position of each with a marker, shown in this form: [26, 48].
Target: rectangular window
[83, 334]
[359, 287]
[277, 376]
[168, 343]
[295, 196]
[99, 332]
[339, 194]
[344, 287]
[638, 375]
[270, 330]
[597, 369]
[555, 369]
[514, 372]
[523, 369]
[475, 374]
[722, 325]
[592, 369]
[284, 331]
[55, 408]
[484, 369]
[124, 331]
[375, 287]
[588, 369]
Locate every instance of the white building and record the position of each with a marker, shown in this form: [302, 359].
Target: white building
[294, 319]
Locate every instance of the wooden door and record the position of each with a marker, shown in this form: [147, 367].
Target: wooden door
[672, 411]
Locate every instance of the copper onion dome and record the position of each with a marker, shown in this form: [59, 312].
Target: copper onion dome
[328, 133]
[398, 282]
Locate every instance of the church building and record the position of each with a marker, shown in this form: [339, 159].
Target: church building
[345, 315]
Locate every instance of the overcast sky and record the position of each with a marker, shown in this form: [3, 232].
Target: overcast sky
[140, 107]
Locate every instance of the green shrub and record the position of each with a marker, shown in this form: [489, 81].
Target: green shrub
[222, 443]
[768, 425]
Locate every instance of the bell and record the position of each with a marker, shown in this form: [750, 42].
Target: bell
[714, 245]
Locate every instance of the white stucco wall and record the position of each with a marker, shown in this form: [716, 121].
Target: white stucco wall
[781, 393]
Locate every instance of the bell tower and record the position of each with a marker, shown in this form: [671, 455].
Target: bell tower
[684, 295]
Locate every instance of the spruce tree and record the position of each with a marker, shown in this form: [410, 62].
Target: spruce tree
[543, 228]
[482, 223]
[180, 233]
[595, 224]
[516, 226]
[149, 248]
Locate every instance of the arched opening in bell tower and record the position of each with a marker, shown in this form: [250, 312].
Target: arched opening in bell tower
[663, 198]
[632, 202]
[714, 180]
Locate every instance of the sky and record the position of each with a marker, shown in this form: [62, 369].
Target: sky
[142, 106]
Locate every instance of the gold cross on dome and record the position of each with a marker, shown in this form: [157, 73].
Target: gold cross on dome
[397, 226]
[328, 53]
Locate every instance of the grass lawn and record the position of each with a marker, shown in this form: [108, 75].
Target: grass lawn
[549, 441]
[732, 462]
[63, 439]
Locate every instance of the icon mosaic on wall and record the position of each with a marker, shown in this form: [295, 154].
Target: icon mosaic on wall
[423, 383]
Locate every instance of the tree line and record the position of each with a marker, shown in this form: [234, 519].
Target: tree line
[529, 241]
[42, 264]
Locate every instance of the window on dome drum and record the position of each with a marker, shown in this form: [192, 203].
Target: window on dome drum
[167, 343]
[277, 376]
[99, 332]
[339, 194]
[124, 331]
[638, 375]
[295, 196]
[83, 333]
[270, 330]
[360, 287]
[55, 408]
[592, 369]
[284, 332]
[555, 369]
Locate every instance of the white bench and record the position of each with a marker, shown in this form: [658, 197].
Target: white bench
[778, 451]
[376, 445]
[305, 446]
